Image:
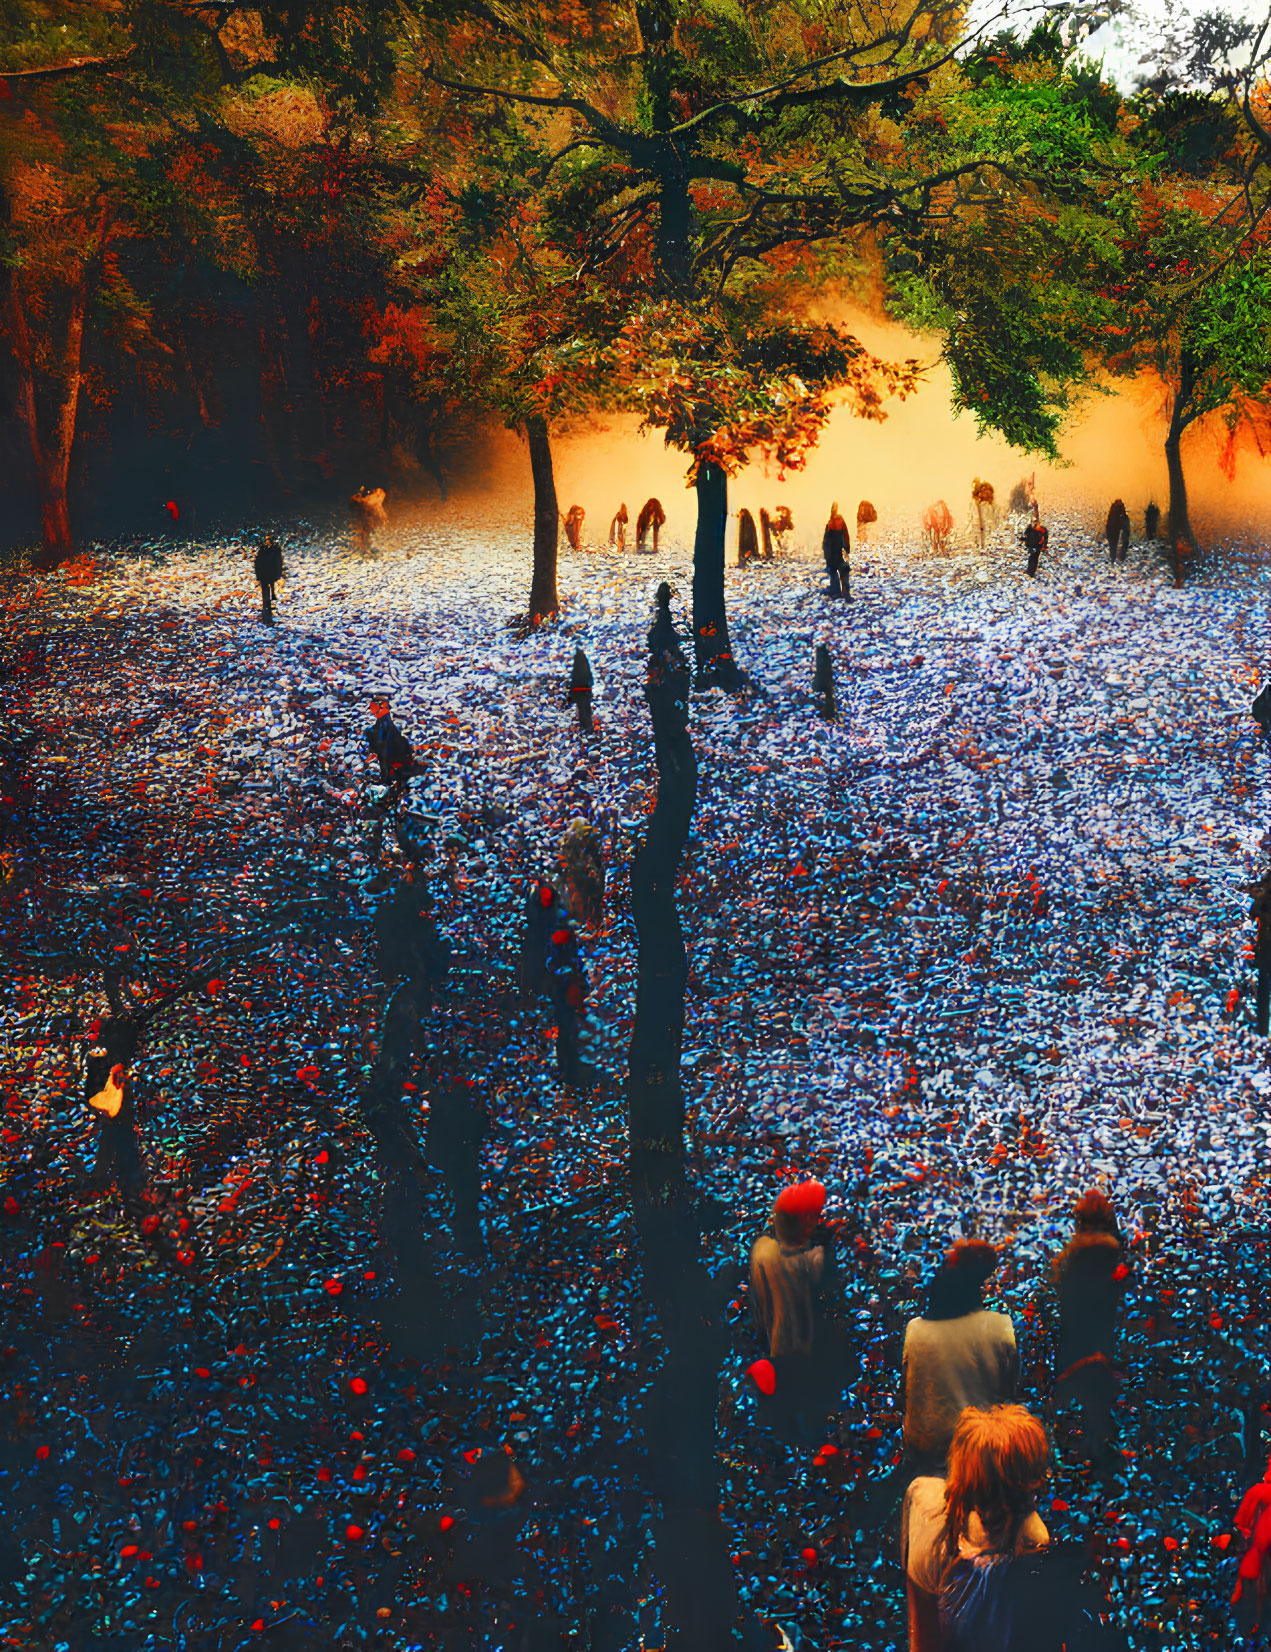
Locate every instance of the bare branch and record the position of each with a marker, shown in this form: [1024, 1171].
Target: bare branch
[72, 66]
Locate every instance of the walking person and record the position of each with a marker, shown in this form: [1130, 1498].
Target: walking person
[956, 1354]
[268, 568]
[747, 539]
[1035, 541]
[1151, 520]
[396, 760]
[1089, 1273]
[651, 517]
[574, 526]
[544, 914]
[1117, 531]
[119, 1159]
[568, 981]
[835, 549]
[618, 529]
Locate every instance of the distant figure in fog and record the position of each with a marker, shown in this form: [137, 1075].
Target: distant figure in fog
[1117, 531]
[651, 516]
[865, 514]
[982, 497]
[582, 858]
[544, 914]
[823, 683]
[937, 525]
[1151, 521]
[268, 568]
[367, 506]
[747, 539]
[835, 548]
[776, 526]
[618, 529]
[574, 526]
[662, 633]
[388, 744]
[568, 981]
[581, 684]
[1023, 496]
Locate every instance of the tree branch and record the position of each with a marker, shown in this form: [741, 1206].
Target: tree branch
[73, 66]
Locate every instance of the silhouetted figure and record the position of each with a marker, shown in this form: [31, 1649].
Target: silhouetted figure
[489, 1490]
[1151, 521]
[865, 514]
[268, 568]
[456, 1129]
[823, 683]
[574, 527]
[568, 983]
[835, 547]
[1035, 541]
[544, 914]
[582, 856]
[662, 633]
[1089, 1275]
[408, 942]
[618, 529]
[389, 745]
[651, 516]
[1260, 710]
[1117, 531]
[581, 683]
[367, 505]
[776, 525]
[956, 1354]
[118, 1159]
[937, 525]
[747, 539]
[1262, 950]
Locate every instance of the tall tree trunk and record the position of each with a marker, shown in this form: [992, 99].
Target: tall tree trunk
[655, 1097]
[544, 601]
[1182, 538]
[712, 650]
[52, 452]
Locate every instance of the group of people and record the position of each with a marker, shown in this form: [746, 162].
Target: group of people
[982, 1571]
[649, 523]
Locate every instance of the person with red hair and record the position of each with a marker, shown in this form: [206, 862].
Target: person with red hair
[791, 1277]
[981, 1573]
[956, 1354]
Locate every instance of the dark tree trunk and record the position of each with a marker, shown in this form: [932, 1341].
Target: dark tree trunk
[712, 650]
[544, 601]
[1181, 537]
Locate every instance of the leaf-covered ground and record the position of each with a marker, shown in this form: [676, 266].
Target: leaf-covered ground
[966, 952]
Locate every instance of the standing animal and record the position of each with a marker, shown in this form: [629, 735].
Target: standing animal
[865, 514]
[937, 525]
[367, 506]
[651, 516]
[618, 529]
[574, 527]
[982, 497]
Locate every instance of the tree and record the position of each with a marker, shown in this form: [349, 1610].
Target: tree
[705, 153]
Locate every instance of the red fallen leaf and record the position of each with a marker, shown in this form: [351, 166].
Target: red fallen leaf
[11, 1206]
[764, 1375]
[873, 1433]
[333, 1287]
[90, 1260]
[1059, 1506]
[201, 1371]
[359, 1473]
[215, 986]
[152, 1583]
[1171, 1543]
[1123, 1543]
[410, 1086]
[308, 1075]
[275, 1524]
[324, 1474]
[1120, 1271]
[829, 1451]
[810, 1557]
[1220, 1540]
[258, 1625]
[447, 1520]
[358, 1385]
[149, 1224]
[145, 1555]
[405, 1455]
[818, 1461]
[355, 1534]
[942, 886]
[369, 1274]
[1215, 1322]
[41, 1452]
[322, 1157]
[129, 1550]
[473, 1455]
[1233, 998]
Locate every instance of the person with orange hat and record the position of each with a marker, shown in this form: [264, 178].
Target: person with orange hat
[544, 914]
[792, 1278]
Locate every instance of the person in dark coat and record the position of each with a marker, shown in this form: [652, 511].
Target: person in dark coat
[1151, 521]
[1035, 540]
[581, 684]
[823, 683]
[662, 633]
[835, 548]
[544, 914]
[568, 980]
[574, 526]
[747, 539]
[1088, 1275]
[268, 568]
[1117, 531]
[119, 1159]
[389, 745]
[1262, 951]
